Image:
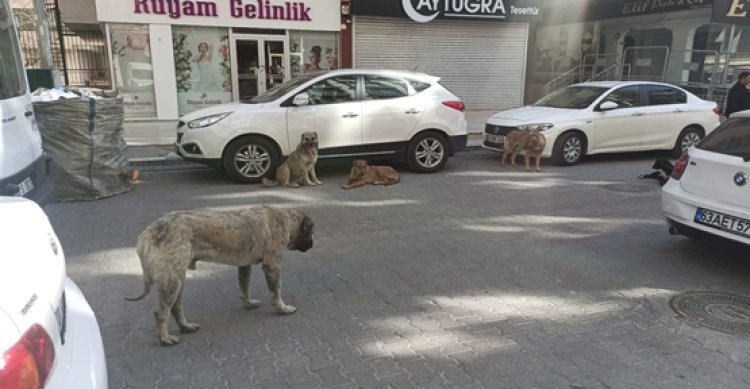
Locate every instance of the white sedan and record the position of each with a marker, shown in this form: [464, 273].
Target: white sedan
[609, 117]
[709, 190]
[356, 113]
[49, 337]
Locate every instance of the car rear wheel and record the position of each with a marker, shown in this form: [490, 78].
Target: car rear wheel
[249, 159]
[427, 152]
[689, 137]
[568, 149]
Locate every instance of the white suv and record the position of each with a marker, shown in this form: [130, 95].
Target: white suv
[356, 113]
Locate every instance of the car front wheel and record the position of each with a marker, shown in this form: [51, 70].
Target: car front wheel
[249, 159]
[568, 149]
[427, 152]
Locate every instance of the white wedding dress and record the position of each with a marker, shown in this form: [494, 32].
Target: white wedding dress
[205, 77]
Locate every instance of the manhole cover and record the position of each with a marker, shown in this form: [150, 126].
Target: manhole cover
[723, 312]
[629, 188]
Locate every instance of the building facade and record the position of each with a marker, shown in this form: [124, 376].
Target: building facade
[701, 45]
[477, 48]
[172, 57]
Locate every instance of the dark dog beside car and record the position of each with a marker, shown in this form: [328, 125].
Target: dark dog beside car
[663, 169]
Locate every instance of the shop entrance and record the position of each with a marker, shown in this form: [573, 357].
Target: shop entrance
[258, 63]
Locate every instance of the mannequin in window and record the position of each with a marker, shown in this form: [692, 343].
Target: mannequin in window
[316, 54]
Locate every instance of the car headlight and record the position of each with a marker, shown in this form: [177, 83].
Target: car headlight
[207, 120]
[536, 127]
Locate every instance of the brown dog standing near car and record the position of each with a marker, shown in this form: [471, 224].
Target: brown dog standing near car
[530, 142]
[300, 166]
[175, 241]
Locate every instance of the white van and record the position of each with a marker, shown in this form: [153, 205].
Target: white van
[23, 163]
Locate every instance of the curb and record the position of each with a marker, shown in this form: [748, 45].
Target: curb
[173, 162]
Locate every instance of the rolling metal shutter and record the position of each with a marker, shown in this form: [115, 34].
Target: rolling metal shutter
[482, 62]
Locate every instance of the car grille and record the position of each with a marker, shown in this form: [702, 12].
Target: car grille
[498, 130]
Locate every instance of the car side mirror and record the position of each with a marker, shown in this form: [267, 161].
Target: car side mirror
[301, 99]
[608, 106]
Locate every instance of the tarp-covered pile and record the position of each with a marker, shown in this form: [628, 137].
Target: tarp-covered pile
[83, 134]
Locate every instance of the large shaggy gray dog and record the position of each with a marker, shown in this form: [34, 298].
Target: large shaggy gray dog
[176, 241]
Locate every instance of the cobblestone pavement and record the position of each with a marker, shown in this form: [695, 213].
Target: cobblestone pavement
[475, 277]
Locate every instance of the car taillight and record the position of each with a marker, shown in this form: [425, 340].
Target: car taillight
[679, 167]
[27, 364]
[717, 111]
[457, 105]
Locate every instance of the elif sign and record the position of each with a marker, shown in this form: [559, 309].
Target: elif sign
[731, 11]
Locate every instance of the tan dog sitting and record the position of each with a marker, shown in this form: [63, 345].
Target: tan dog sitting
[531, 143]
[300, 166]
[362, 174]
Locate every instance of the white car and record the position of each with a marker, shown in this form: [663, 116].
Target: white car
[609, 117]
[356, 113]
[709, 190]
[49, 337]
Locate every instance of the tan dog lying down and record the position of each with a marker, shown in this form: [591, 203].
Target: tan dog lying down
[175, 241]
[363, 173]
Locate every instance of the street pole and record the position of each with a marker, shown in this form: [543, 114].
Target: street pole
[43, 36]
[729, 51]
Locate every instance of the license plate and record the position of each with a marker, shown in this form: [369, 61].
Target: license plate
[495, 138]
[25, 187]
[728, 223]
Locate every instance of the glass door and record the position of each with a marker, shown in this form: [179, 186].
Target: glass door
[247, 67]
[258, 63]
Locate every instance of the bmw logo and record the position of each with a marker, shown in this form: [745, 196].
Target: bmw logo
[740, 179]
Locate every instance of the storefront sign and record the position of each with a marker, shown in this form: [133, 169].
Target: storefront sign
[731, 11]
[576, 10]
[311, 15]
[644, 7]
[424, 11]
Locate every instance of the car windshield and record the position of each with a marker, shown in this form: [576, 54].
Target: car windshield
[572, 97]
[732, 138]
[281, 89]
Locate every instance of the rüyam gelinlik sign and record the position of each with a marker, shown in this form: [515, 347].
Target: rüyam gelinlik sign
[315, 15]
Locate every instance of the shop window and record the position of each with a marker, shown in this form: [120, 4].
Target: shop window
[377, 88]
[202, 67]
[133, 69]
[312, 52]
[333, 90]
[646, 52]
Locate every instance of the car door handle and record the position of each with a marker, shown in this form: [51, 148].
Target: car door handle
[678, 110]
[350, 115]
[413, 111]
[637, 114]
